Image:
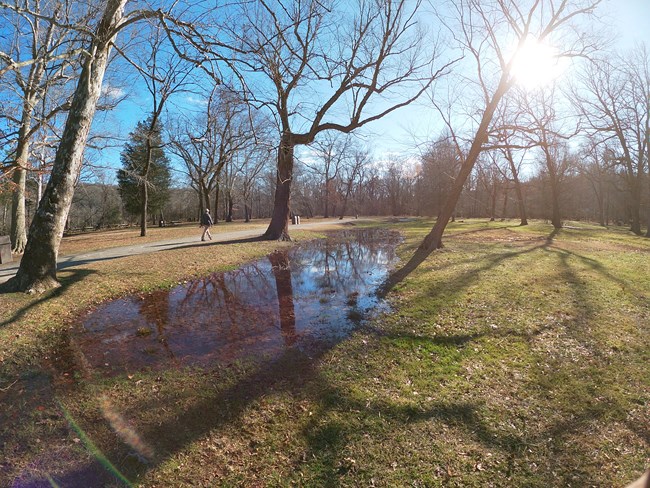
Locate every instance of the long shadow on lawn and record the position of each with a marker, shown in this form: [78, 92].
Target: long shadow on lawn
[574, 326]
[65, 279]
[298, 375]
[420, 255]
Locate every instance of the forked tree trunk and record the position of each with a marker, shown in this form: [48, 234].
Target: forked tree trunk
[348, 190]
[279, 227]
[19, 215]
[520, 194]
[37, 271]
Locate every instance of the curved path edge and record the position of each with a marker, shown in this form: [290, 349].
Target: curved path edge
[9, 270]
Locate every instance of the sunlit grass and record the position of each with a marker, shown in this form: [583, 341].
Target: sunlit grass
[515, 356]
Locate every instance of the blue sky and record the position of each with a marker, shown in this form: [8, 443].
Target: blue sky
[627, 21]
[401, 132]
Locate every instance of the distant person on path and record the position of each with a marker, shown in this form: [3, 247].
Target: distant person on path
[206, 222]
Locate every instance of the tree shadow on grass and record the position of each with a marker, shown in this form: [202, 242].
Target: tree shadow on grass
[240, 240]
[66, 279]
[298, 374]
[420, 255]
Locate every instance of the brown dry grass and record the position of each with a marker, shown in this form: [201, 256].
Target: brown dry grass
[514, 357]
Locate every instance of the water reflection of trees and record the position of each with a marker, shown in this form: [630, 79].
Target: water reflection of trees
[257, 309]
[348, 263]
[154, 308]
[282, 273]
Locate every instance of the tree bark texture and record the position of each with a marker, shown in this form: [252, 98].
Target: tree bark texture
[37, 271]
[635, 205]
[18, 232]
[279, 227]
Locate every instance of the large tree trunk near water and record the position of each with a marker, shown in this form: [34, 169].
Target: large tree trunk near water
[18, 214]
[37, 270]
[279, 227]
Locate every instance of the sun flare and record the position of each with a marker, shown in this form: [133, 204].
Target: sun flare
[536, 64]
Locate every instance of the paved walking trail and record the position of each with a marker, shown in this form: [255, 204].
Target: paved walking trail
[69, 260]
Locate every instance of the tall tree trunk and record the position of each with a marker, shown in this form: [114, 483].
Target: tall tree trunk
[37, 271]
[556, 218]
[600, 198]
[279, 227]
[215, 210]
[647, 232]
[635, 206]
[144, 197]
[493, 202]
[247, 212]
[229, 206]
[518, 191]
[345, 201]
[504, 210]
[18, 232]
[433, 240]
[326, 213]
[18, 213]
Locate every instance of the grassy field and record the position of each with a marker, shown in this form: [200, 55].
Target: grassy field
[515, 356]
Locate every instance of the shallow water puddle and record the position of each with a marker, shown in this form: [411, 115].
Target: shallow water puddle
[308, 297]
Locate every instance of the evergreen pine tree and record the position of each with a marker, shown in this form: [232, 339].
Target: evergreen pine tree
[132, 175]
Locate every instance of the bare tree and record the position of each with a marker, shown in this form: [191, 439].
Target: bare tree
[351, 174]
[492, 33]
[211, 141]
[318, 66]
[544, 127]
[38, 61]
[515, 169]
[330, 154]
[254, 162]
[597, 169]
[37, 270]
[486, 30]
[615, 101]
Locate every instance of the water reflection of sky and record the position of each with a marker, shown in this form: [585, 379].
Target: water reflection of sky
[307, 298]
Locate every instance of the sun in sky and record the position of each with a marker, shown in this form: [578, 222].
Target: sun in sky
[536, 64]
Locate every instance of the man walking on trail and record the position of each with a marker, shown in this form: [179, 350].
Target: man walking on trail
[206, 222]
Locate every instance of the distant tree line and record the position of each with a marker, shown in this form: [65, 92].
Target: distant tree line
[254, 105]
[351, 183]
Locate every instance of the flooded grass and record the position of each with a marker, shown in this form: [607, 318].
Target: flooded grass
[308, 297]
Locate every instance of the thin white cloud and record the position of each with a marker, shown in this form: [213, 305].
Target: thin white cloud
[196, 101]
[112, 91]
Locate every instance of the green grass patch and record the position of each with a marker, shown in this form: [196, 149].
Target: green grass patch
[515, 356]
